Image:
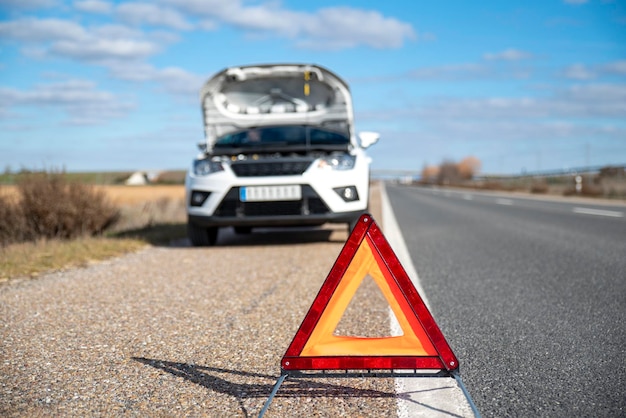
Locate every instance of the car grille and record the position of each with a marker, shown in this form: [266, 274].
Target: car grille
[310, 204]
[282, 167]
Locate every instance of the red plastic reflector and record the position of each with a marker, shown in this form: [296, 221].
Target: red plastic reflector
[421, 345]
[361, 363]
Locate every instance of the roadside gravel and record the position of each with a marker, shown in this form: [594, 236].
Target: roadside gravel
[183, 331]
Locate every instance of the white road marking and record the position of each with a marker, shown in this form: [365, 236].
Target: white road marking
[467, 196]
[505, 202]
[598, 212]
[419, 396]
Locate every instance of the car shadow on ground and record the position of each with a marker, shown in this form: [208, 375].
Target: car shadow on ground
[275, 236]
[175, 235]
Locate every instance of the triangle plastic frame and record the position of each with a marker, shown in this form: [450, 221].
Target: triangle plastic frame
[435, 353]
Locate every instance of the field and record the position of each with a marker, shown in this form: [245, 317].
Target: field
[605, 183]
[149, 215]
[155, 214]
[140, 205]
[147, 206]
[102, 178]
[130, 195]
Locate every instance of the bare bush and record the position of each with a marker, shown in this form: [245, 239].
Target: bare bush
[50, 207]
[539, 187]
[429, 174]
[13, 226]
[468, 167]
[448, 173]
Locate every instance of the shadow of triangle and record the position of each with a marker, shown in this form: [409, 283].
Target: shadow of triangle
[243, 384]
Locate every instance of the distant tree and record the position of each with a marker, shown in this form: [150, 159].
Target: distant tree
[448, 173]
[469, 167]
[430, 173]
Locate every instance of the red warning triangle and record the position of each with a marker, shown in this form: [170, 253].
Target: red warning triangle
[422, 345]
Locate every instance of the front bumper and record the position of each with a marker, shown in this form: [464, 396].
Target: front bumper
[310, 210]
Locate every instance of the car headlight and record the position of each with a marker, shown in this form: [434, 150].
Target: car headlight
[205, 167]
[337, 162]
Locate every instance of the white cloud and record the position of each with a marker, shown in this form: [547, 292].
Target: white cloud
[115, 31]
[598, 99]
[41, 30]
[80, 99]
[345, 27]
[575, 102]
[179, 81]
[579, 72]
[94, 6]
[617, 67]
[451, 72]
[102, 49]
[137, 13]
[590, 72]
[457, 72]
[264, 18]
[62, 38]
[592, 111]
[209, 8]
[326, 28]
[510, 54]
[174, 80]
[152, 14]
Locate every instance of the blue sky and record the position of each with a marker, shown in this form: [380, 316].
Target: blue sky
[91, 85]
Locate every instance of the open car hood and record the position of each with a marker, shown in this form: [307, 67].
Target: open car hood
[239, 98]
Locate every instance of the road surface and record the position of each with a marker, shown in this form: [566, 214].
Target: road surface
[530, 294]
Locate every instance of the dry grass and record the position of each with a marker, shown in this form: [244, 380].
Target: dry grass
[130, 195]
[121, 195]
[32, 258]
[144, 207]
[149, 215]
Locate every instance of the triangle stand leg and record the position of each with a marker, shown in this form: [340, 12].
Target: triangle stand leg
[459, 381]
[268, 402]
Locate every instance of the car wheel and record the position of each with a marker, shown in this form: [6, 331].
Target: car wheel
[201, 237]
[352, 224]
[243, 230]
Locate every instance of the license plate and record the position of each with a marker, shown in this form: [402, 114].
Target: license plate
[270, 193]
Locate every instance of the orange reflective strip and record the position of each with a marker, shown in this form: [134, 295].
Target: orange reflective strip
[322, 342]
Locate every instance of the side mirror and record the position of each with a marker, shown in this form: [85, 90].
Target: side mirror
[368, 138]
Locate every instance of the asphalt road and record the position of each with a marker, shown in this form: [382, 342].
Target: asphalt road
[530, 294]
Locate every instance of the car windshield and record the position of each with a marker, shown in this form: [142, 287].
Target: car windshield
[279, 136]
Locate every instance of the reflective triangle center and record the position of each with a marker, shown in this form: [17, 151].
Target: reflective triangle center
[413, 342]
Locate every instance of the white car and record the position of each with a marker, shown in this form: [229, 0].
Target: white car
[279, 150]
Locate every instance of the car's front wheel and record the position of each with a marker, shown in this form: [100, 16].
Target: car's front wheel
[352, 224]
[200, 236]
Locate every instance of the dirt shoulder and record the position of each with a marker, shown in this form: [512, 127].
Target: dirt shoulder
[183, 331]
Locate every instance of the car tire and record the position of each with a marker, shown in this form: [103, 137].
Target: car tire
[201, 237]
[352, 224]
